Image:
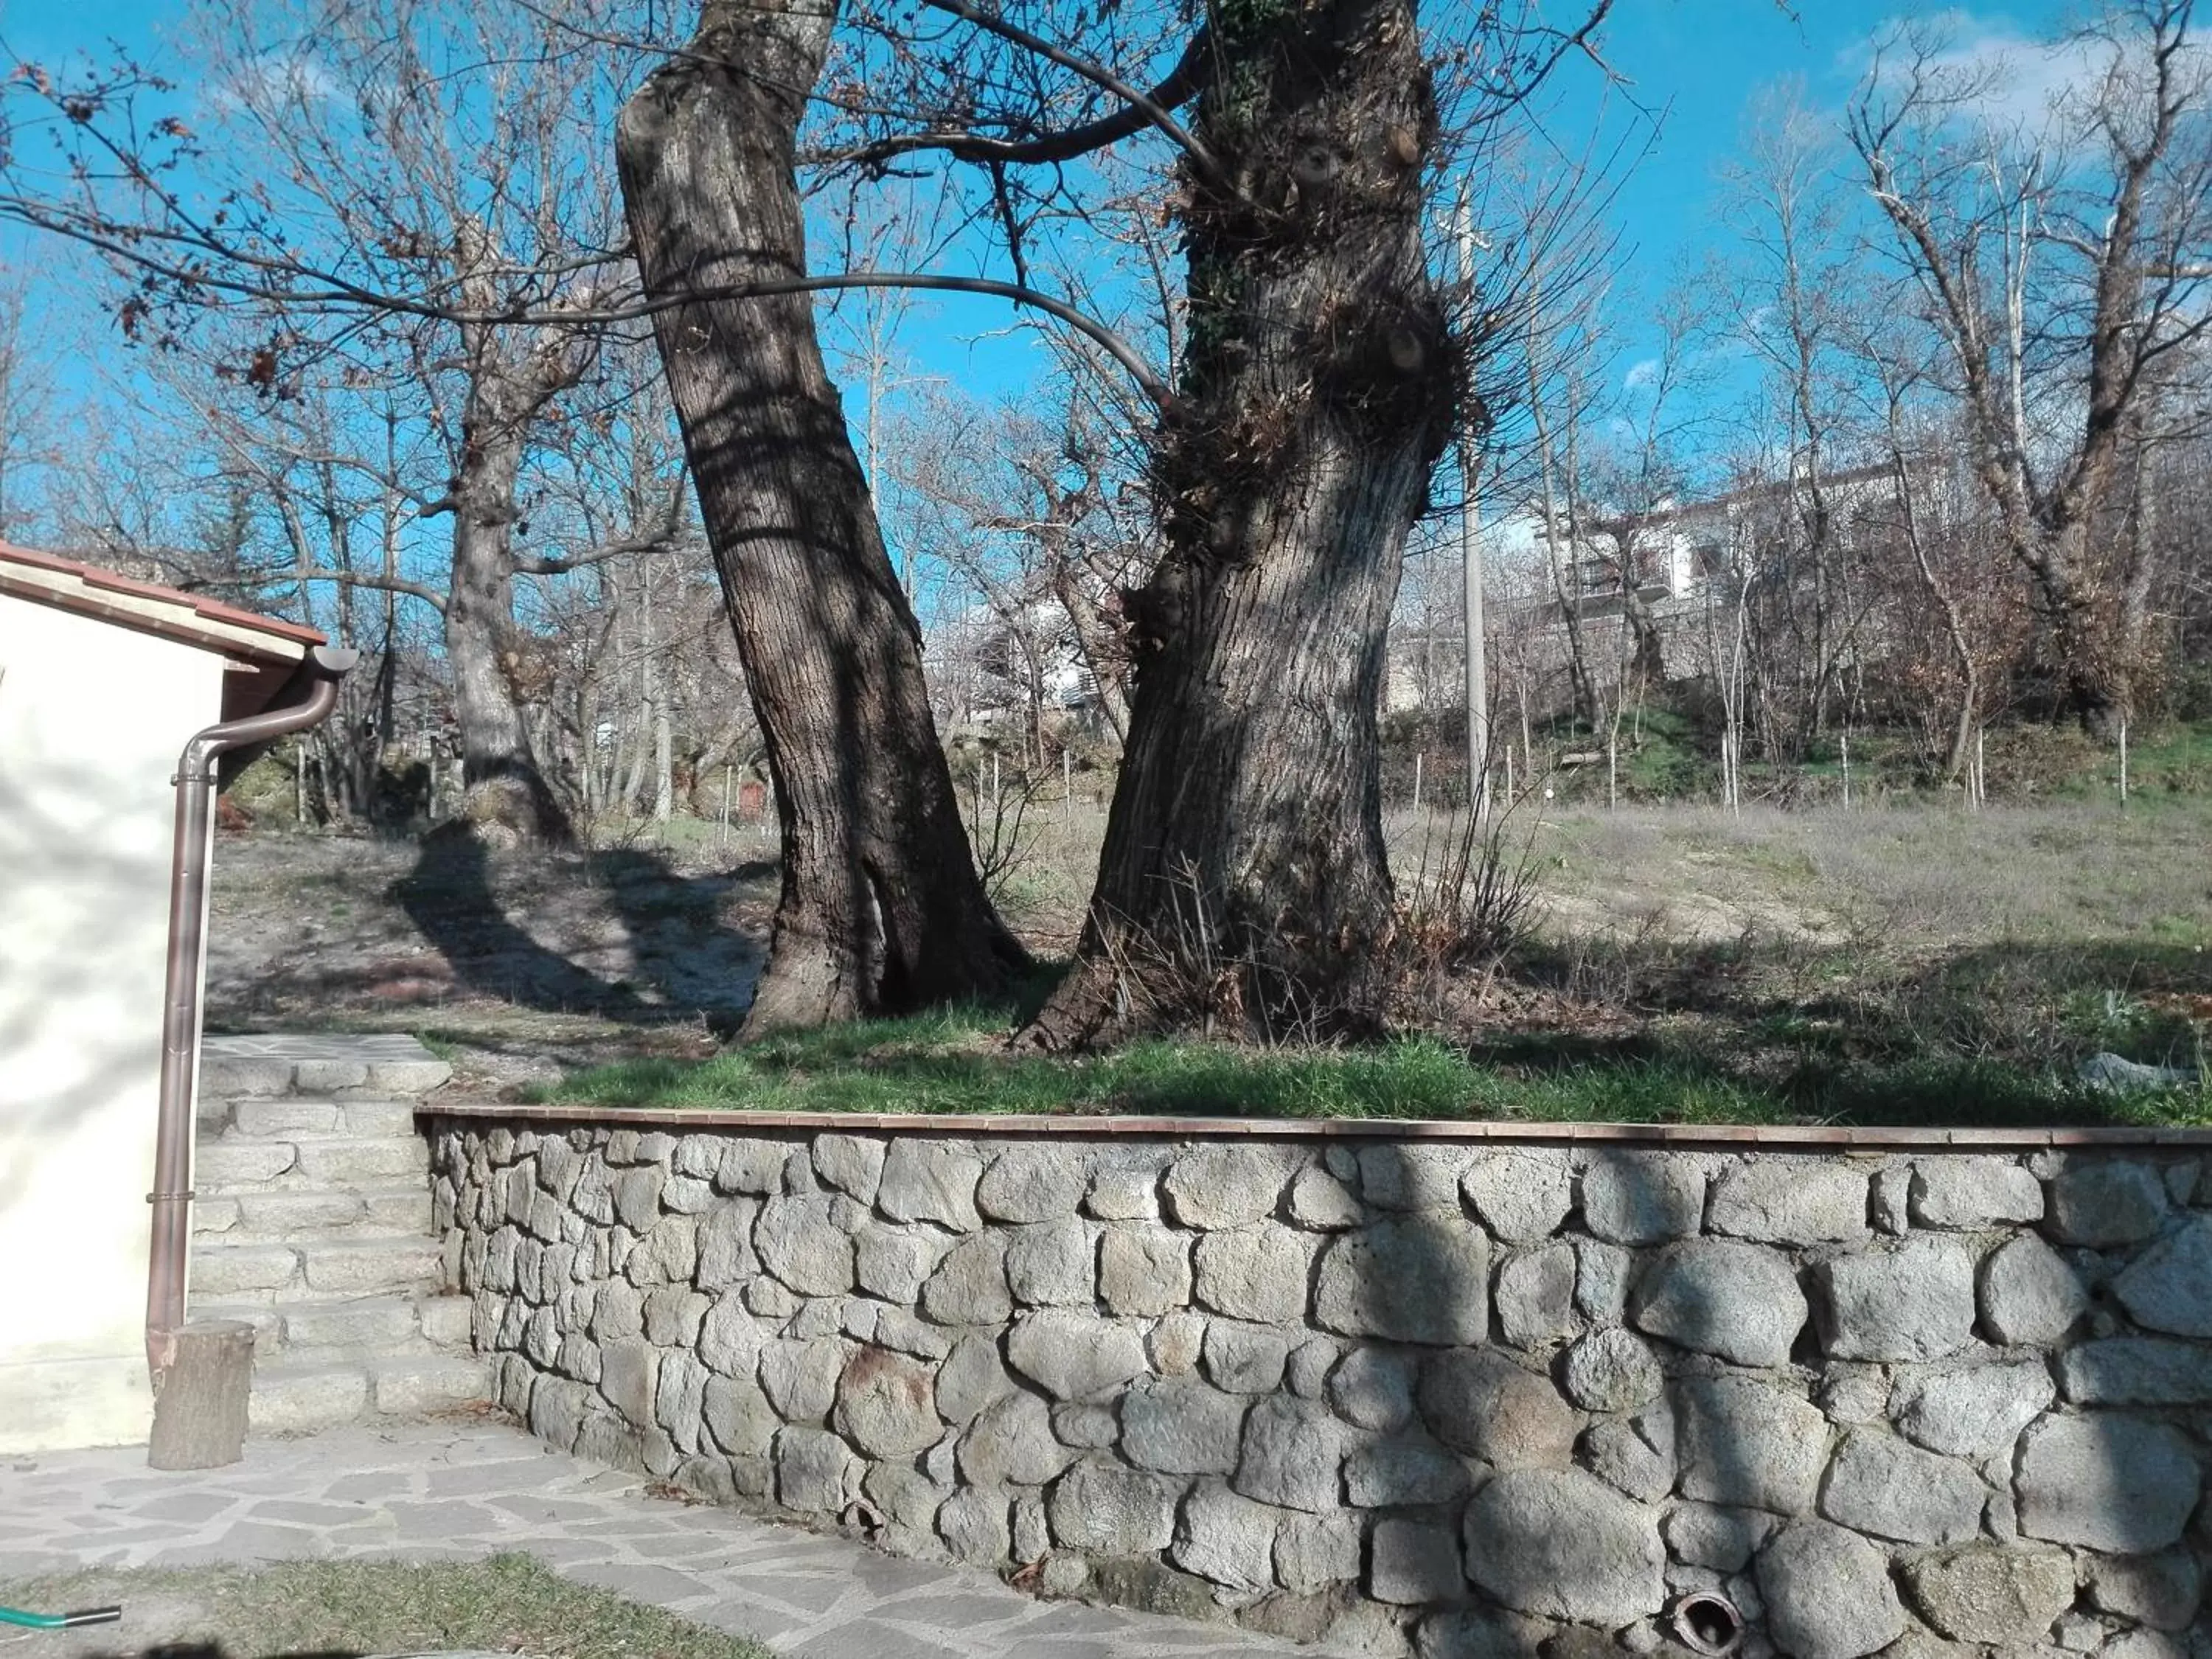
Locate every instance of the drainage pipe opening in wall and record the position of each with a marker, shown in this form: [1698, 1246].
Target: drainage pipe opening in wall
[1707, 1623]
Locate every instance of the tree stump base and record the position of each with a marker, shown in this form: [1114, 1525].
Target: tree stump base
[200, 1401]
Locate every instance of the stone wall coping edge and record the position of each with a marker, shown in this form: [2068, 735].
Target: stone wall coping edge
[1818, 1137]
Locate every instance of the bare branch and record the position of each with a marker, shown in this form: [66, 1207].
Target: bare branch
[650, 541]
[349, 297]
[1143, 103]
[429, 596]
[1181, 84]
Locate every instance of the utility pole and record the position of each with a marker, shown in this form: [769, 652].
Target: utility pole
[1470, 524]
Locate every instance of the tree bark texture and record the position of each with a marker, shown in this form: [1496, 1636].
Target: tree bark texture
[200, 1405]
[506, 790]
[881, 907]
[1647, 660]
[1243, 879]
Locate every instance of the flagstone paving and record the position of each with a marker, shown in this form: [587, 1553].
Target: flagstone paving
[458, 1490]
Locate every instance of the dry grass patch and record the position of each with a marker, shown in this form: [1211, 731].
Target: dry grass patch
[508, 1604]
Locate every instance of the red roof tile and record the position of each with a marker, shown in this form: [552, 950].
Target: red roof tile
[199, 604]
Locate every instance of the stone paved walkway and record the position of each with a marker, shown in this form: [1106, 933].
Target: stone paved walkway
[448, 1490]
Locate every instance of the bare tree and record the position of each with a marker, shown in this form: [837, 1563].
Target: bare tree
[2065, 271]
[1318, 392]
[1791, 296]
[398, 193]
[1037, 522]
[26, 410]
[1634, 479]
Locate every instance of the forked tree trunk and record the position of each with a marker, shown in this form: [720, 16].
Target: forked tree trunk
[881, 907]
[1647, 662]
[2094, 649]
[1243, 878]
[506, 795]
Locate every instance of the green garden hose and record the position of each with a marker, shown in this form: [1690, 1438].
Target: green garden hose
[60, 1621]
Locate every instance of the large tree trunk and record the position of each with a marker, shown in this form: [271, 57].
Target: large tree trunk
[881, 907]
[1244, 877]
[2093, 649]
[506, 796]
[1647, 663]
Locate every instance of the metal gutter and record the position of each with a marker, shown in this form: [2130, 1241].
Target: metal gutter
[195, 783]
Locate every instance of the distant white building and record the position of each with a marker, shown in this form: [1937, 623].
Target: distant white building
[992, 666]
[1043, 630]
[1677, 551]
[1689, 562]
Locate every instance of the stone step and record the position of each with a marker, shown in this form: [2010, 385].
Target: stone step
[225, 1166]
[317, 1120]
[392, 1064]
[304, 1396]
[311, 1269]
[283, 1215]
[349, 1327]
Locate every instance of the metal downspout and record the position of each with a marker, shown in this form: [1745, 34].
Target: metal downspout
[180, 1000]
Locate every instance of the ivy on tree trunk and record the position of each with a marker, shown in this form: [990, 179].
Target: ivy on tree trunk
[1243, 879]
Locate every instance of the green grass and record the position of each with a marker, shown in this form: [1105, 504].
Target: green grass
[2176, 761]
[327, 1608]
[954, 1061]
[441, 1048]
[1903, 962]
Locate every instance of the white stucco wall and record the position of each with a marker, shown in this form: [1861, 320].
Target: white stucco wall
[92, 718]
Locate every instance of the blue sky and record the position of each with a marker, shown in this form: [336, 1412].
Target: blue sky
[1697, 61]
[1701, 61]
[1694, 63]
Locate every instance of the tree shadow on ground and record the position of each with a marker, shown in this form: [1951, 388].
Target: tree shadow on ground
[687, 964]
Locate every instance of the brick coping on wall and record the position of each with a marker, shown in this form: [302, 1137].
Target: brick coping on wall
[1816, 1136]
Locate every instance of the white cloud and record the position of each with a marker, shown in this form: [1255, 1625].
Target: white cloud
[1641, 373]
[2021, 78]
[281, 76]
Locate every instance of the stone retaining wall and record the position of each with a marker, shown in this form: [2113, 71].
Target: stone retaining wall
[1399, 1395]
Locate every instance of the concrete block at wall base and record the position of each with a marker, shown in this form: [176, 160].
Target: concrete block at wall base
[268, 1323]
[60, 1404]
